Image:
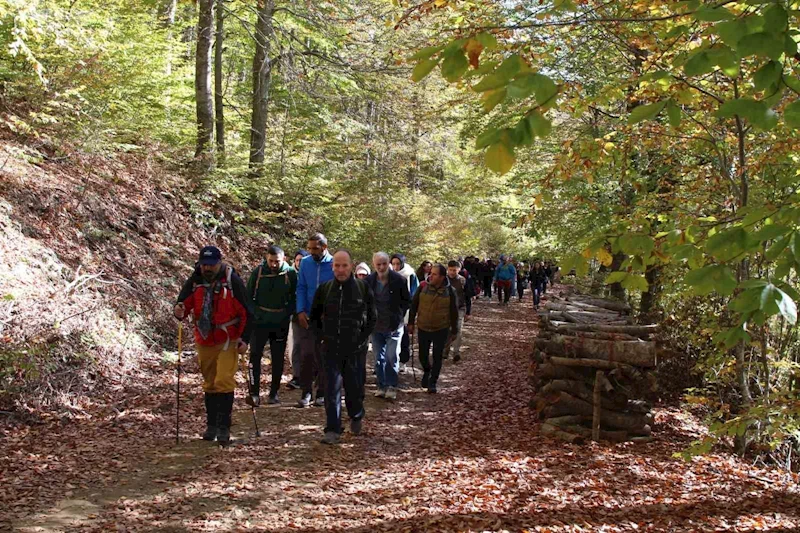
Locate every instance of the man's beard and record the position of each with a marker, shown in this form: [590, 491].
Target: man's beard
[209, 275]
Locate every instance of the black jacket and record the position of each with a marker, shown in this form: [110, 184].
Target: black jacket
[345, 314]
[237, 286]
[537, 277]
[400, 297]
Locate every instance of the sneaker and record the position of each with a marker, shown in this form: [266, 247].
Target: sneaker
[355, 426]
[380, 393]
[319, 402]
[425, 379]
[432, 388]
[391, 393]
[273, 400]
[253, 400]
[294, 383]
[210, 433]
[305, 400]
[330, 438]
[457, 358]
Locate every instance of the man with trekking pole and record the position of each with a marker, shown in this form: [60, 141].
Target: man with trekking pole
[216, 297]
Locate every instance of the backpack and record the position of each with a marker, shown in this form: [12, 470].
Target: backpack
[287, 283]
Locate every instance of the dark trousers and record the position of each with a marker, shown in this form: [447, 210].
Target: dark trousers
[487, 287]
[520, 289]
[362, 367]
[343, 367]
[405, 347]
[438, 339]
[537, 294]
[277, 338]
[311, 365]
[503, 290]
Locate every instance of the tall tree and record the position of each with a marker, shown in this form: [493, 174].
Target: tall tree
[202, 79]
[262, 73]
[219, 109]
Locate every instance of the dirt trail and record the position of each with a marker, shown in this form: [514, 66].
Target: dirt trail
[466, 459]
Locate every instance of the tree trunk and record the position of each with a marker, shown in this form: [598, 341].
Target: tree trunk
[597, 399]
[612, 305]
[637, 331]
[202, 78]
[166, 12]
[615, 289]
[219, 109]
[565, 404]
[262, 77]
[637, 353]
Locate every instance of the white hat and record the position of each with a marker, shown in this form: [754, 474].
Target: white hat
[362, 267]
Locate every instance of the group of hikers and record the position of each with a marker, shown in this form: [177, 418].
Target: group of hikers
[329, 310]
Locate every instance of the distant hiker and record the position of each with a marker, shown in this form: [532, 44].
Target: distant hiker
[343, 311]
[504, 274]
[491, 268]
[216, 297]
[401, 267]
[294, 337]
[362, 271]
[470, 289]
[548, 275]
[522, 280]
[392, 300]
[459, 284]
[434, 309]
[485, 275]
[314, 271]
[272, 290]
[538, 279]
[424, 271]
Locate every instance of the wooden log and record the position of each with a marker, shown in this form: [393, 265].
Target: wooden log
[636, 353]
[643, 331]
[581, 390]
[592, 363]
[566, 404]
[569, 420]
[576, 308]
[597, 398]
[598, 335]
[555, 431]
[551, 371]
[638, 406]
[613, 305]
[607, 435]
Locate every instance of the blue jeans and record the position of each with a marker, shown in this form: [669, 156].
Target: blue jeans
[386, 347]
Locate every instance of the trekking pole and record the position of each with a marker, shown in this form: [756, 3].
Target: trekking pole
[249, 376]
[178, 388]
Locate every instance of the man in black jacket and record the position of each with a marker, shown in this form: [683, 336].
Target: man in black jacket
[392, 300]
[344, 311]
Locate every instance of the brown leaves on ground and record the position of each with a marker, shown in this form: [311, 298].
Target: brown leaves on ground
[466, 459]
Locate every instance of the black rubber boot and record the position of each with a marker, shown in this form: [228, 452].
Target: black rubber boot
[225, 408]
[211, 416]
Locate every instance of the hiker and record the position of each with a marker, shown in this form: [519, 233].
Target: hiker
[486, 278]
[216, 297]
[470, 289]
[459, 284]
[343, 311]
[491, 267]
[272, 289]
[315, 270]
[537, 279]
[548, 276]
[294, 338]
[522, 280]
[392, 300]
[401, 267]
[434, 309]
[362, 271]
[424, 271]
[503, 275]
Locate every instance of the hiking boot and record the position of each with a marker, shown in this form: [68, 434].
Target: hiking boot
[380, 393]
[457, 358]
[402, 368]
[294, 383]
[432, 388]
[425, 380]
[391, 393]
[330, 437]
[305, 400]
[254, 400]
[319, 402]
[211, 417]
[224, 418]
[210, 433]
[273, 400]
[355, 426]
[224, 436]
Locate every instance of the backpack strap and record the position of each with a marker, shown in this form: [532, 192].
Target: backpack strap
[258, 280]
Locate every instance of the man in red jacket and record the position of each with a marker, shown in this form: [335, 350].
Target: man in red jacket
[216, 297]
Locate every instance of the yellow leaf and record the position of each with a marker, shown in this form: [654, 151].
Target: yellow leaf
[499, 158]
[587, 253]
[440, 3]
[604, 257]
[537, 200]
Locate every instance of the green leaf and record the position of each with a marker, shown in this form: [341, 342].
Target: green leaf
[761, 44]
[769, 300]
[787, 306]
[698, 64]
[770, 231]
[711, 278]
[767, 75]
[747, 301]
[426, 53]
[646, 112]
[454, 66]
[488, 40]
[758, 113]
[635, 282]
[540, 125]
[725, 58]
[499, 158]
[791, 114]
[677, 30]
[501, 75]
[523, 133]
[615, 277]
[777, 247]
[674, 114]
[488, 137]
[789, 45]
[731, 31]
[712, 14]
[423, 68]
[775, 19]
[492, 98]
[526, 84]
[727, 244]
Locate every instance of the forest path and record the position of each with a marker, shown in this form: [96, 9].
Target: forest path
[466, 459]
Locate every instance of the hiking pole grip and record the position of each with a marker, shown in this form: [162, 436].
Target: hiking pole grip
[178, 388]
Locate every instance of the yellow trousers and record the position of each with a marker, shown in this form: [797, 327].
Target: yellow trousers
[218, 367]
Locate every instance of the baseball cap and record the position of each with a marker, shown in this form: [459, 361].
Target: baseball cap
[210, 255]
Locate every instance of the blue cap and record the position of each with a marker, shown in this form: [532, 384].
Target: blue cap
[210, 255]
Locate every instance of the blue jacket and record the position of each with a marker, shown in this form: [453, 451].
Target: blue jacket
[505, 272]
[312, 274]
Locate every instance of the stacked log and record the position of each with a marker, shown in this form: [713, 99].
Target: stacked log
[592, 369]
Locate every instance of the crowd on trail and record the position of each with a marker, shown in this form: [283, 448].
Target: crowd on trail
[327, 311]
